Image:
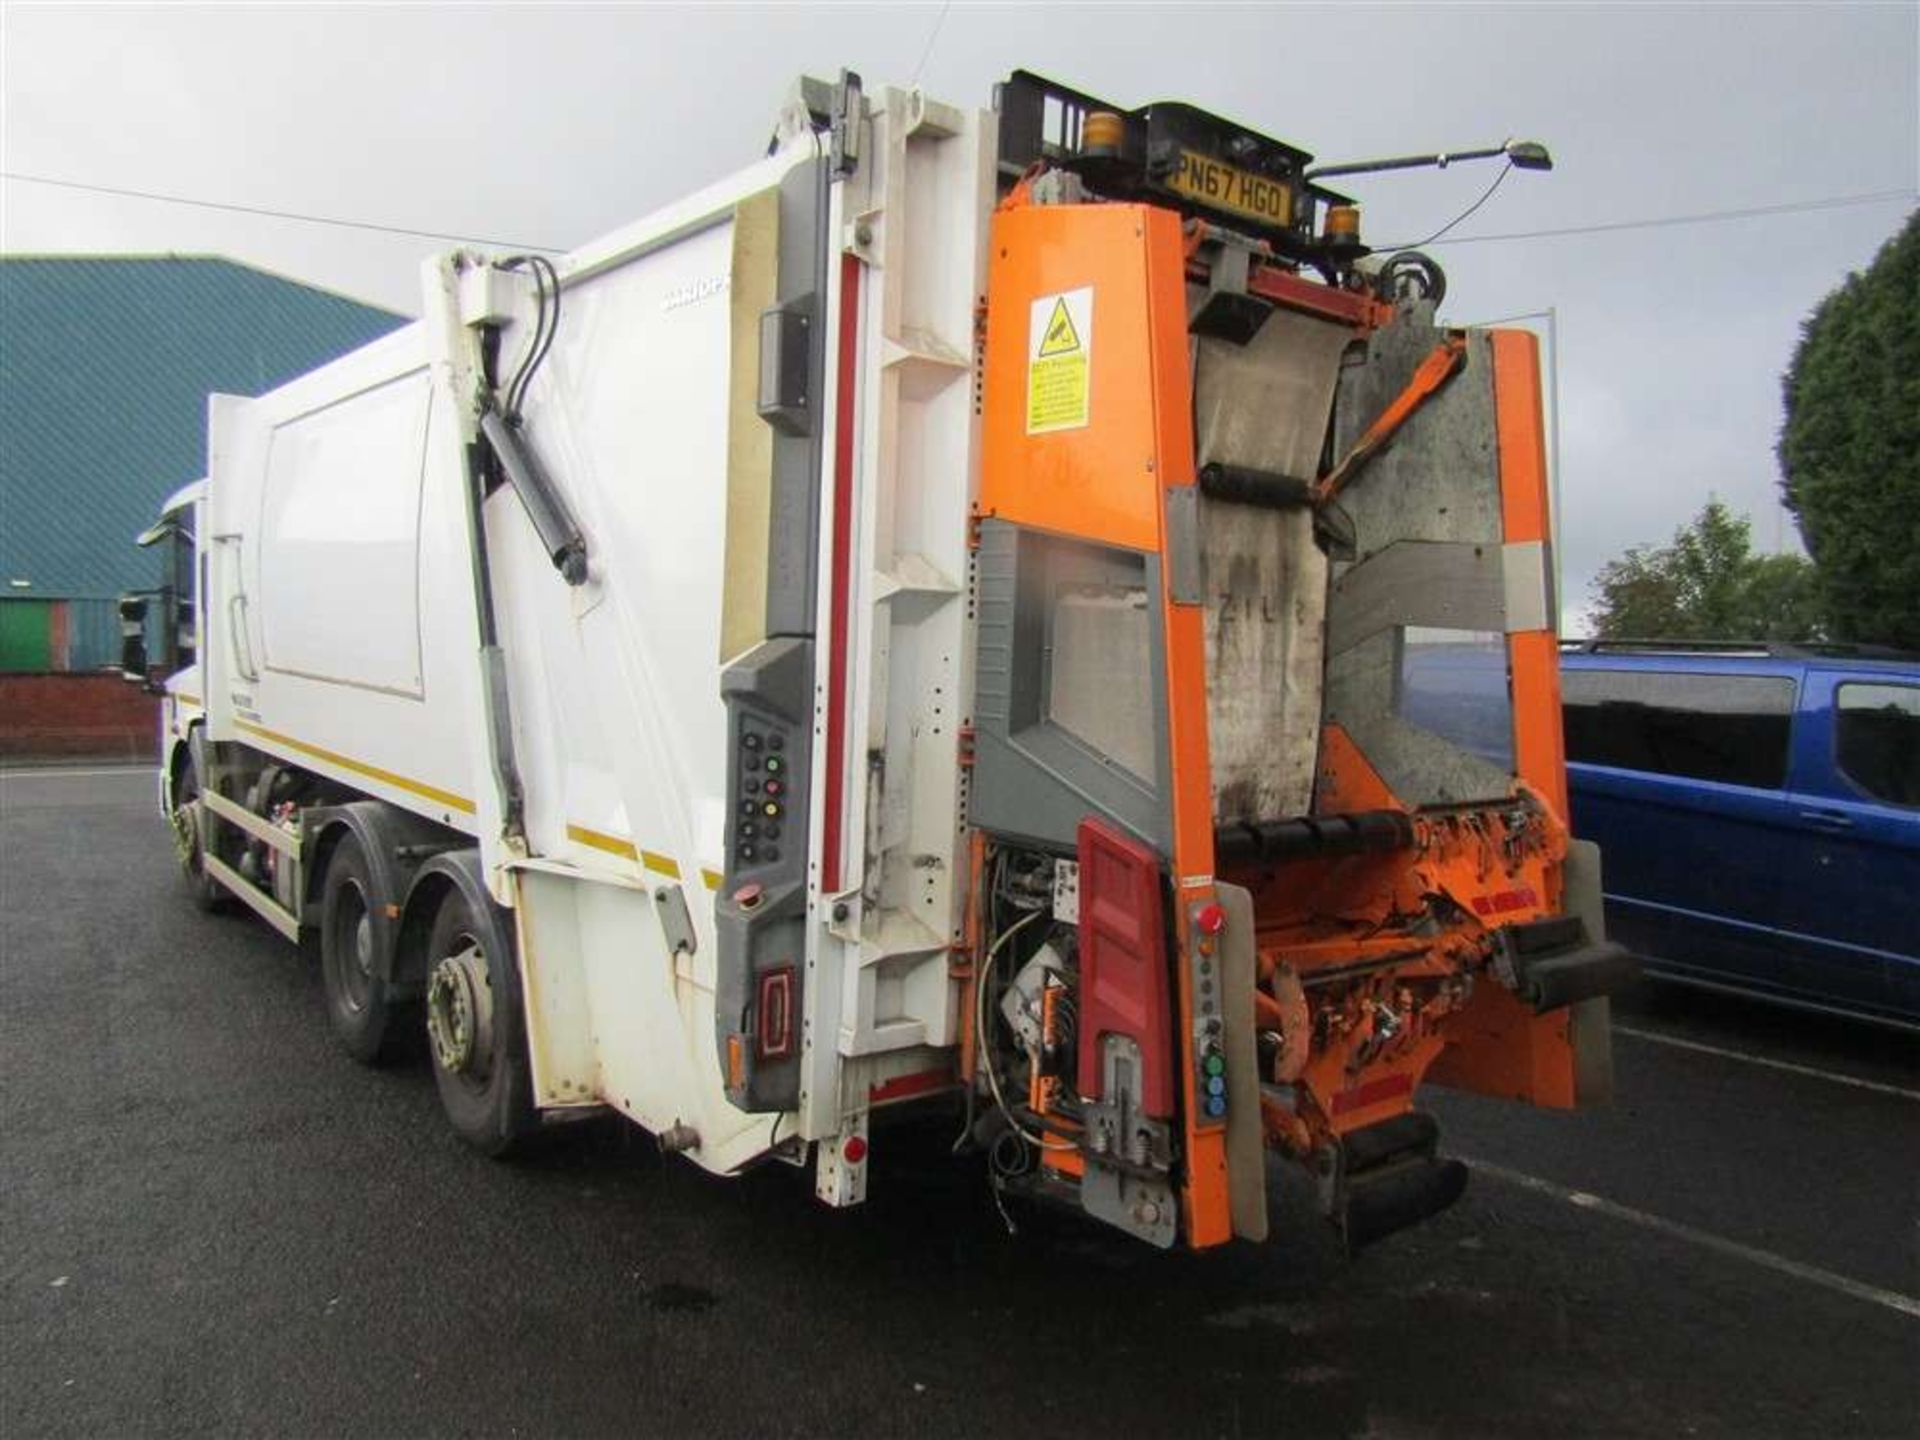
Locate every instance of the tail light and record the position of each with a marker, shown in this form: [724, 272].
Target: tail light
[773, 1011]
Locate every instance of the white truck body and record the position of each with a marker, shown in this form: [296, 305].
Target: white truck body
[342, 625]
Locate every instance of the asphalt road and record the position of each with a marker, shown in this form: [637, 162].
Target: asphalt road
[211, 1221]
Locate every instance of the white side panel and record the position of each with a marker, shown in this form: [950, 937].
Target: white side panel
[335, 503]
[343, 498]
[615, 1016]
[619, 729]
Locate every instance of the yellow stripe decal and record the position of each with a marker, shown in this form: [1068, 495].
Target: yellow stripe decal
[660, 864]
[711, 878]
[186, 699]
[627, 850]
[594, 839]
[372, 772]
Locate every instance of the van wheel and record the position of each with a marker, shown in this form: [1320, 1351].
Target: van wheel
[476, 1028]
[355, 940]
[189, 841]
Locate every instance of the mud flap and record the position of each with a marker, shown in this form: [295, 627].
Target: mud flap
[1591, 1029]
[1389, 1176]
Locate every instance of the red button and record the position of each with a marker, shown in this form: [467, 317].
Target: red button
[1211, 919]
[747, 896]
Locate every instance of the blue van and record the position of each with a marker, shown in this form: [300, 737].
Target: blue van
[1758, 809]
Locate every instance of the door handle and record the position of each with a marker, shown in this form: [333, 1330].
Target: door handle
[1832, 821]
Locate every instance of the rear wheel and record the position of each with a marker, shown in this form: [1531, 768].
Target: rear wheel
[476, 1028]
[355, 942]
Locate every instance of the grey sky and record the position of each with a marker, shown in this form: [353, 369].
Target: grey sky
[552, 124]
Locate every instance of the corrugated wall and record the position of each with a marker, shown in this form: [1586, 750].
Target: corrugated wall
[40, 635]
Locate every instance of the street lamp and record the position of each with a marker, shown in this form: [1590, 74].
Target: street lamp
[1521, 154]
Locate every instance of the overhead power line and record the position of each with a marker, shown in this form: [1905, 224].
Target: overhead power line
[1790, 207]
[926, 53]
[269, 213]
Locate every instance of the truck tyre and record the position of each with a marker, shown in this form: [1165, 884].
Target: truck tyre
[476, 1029]
[190, 840]
[355, 941]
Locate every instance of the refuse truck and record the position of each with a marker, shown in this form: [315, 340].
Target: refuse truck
[923, 623]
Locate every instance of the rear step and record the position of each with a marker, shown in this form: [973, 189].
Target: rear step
[1553, 962]
[1388, 1176]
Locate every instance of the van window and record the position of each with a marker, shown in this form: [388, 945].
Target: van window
[1876, 740]
[1729, 728]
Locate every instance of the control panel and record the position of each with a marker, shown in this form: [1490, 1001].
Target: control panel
[1206, 922]
[763, 767]
[760, 911]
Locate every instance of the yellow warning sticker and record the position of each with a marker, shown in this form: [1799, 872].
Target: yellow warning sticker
[1059, 361]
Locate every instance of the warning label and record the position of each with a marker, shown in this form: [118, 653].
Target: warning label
[1059, 351]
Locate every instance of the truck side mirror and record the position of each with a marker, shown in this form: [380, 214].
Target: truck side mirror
[133, 638]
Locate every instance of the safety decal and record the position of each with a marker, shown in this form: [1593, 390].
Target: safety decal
[1059, 351]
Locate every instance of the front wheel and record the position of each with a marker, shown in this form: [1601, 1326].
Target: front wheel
[476, 1029]
[189, 840]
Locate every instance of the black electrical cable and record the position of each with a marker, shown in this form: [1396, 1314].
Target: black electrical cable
[547, 322]
[546, 284]
[1485, 195]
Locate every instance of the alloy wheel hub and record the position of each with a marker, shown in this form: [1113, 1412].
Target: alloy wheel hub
[460, 1014]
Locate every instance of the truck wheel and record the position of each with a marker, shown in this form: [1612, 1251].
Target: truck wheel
[476, 1028]
[355, 939]
[190, 841]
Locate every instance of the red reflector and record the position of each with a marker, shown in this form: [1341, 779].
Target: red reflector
[1211, 919]
[854, 1149]
[1123, 963]
[773, 1029]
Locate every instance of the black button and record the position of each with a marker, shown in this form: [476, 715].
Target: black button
[746, 852]
[748, 830]
[749, 741]
[773, 832]
[776, 742]
[752, 787]
[749, 807]
[752, 762]
[773, 854]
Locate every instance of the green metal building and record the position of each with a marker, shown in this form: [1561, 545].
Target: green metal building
[106, 363]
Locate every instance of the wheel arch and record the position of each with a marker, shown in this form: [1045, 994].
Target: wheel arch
[387, 837]
[450, 870]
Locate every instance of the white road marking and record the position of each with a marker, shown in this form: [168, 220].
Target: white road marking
[1855, 1081]
[62, 772]
[1705, 1239]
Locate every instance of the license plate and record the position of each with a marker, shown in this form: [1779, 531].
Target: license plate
[1212, 182]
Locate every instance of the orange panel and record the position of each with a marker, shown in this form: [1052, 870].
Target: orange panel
[1105, 479]
[1538, 741]
[1209, 1219]
[1499, 1047]
[1095, 479]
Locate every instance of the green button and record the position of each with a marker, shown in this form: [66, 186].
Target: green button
[1213, 1065]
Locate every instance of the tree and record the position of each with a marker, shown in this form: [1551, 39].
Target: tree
[1850, 446]
[1707, 585]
